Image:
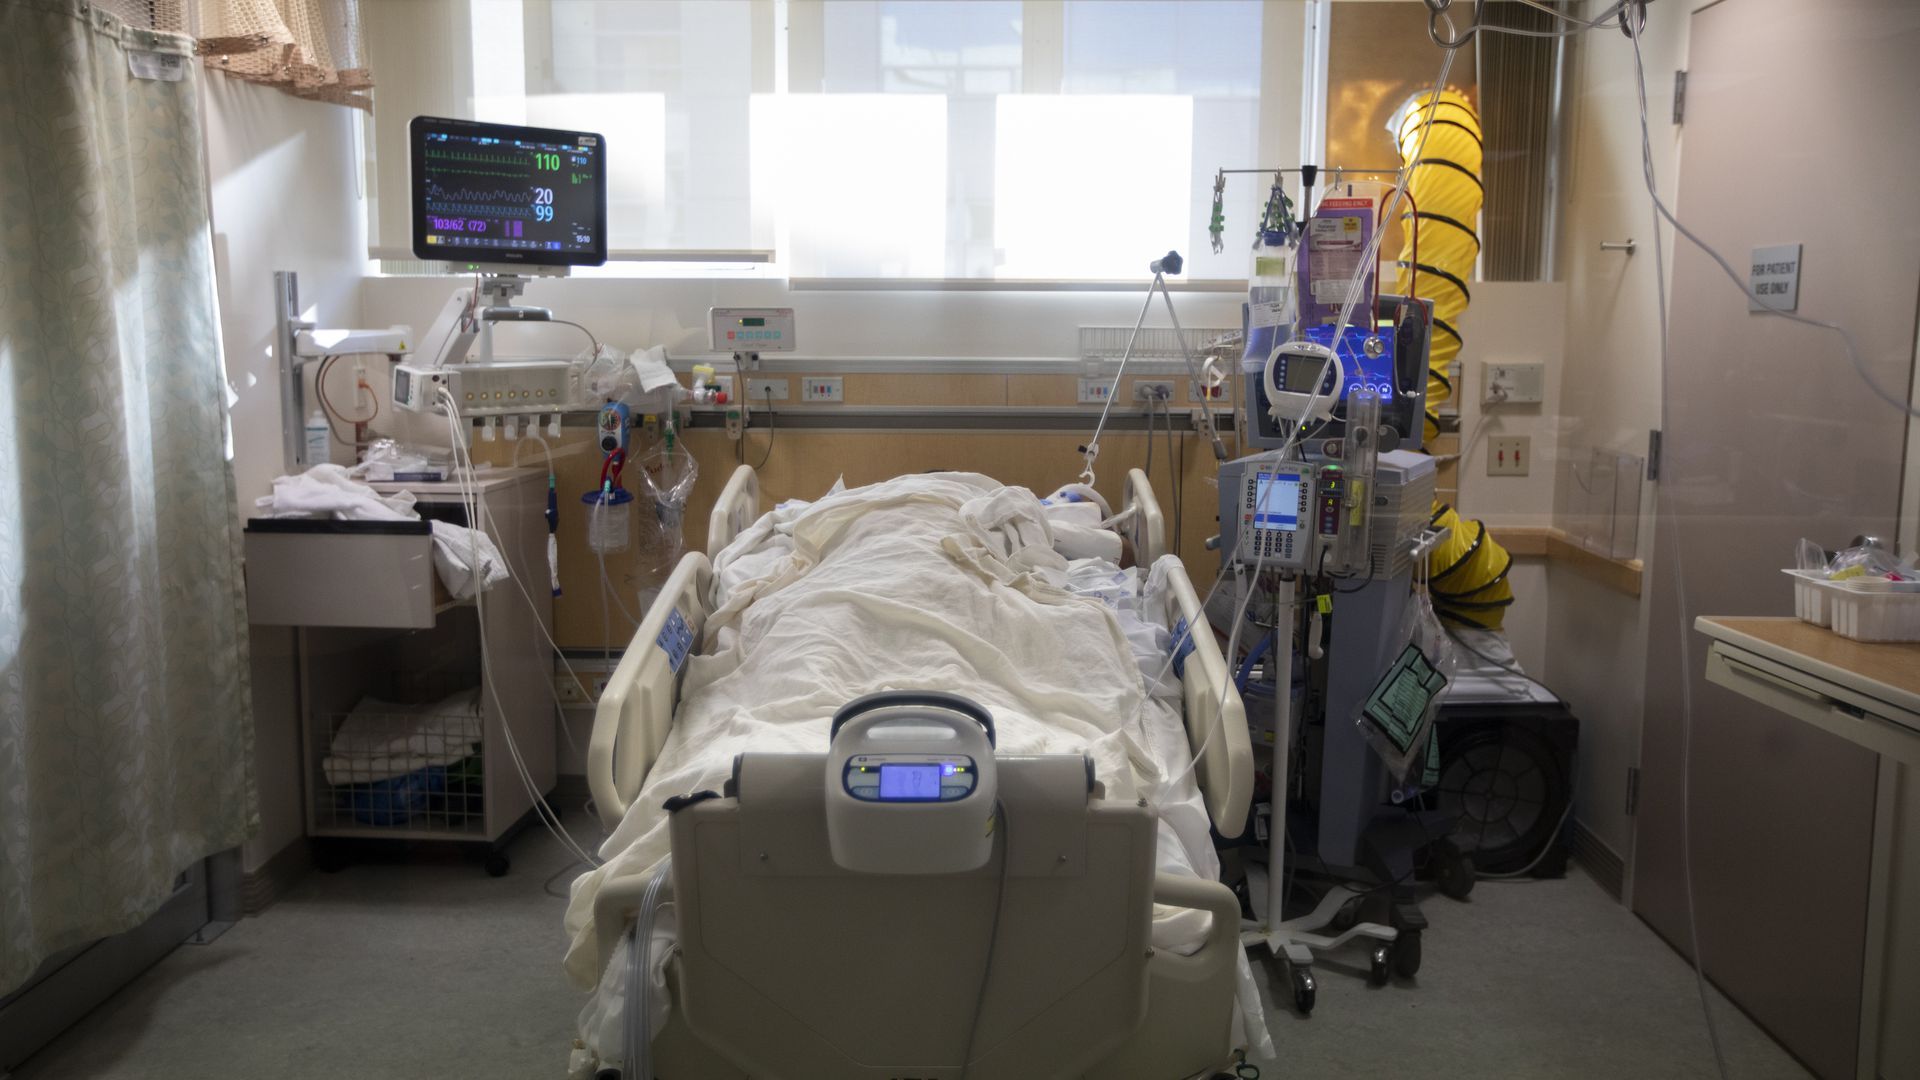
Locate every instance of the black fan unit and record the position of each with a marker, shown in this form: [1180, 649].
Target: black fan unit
[1506, 777]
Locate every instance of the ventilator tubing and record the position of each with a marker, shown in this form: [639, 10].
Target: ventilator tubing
[1444, 186]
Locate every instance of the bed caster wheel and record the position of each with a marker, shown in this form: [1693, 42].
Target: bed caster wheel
[1456, 875]
[1381, 968]
[1303, 987]
[1406, 954]
[497, 864]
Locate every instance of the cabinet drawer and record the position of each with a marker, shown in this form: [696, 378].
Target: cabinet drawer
[303, 572]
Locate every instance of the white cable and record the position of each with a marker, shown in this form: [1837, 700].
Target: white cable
[1679, 576]
[466, 480]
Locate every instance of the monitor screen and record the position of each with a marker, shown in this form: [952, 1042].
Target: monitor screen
[910, 782]
[1276, 502]
[495, 193]
[1376, 373]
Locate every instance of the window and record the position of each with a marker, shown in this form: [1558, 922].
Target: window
[870, 139]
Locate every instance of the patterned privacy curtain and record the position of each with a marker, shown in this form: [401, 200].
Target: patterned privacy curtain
[125, 727]
[309, 48]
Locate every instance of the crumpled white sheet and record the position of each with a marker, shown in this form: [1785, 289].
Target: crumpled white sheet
[943, 581]
[379, 740]
[327, 490]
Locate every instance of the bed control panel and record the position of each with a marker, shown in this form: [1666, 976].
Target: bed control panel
[1274, 515]
[910, 778]
[910, 784]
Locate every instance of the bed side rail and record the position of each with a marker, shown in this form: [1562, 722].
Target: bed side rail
[1225, 768]
[1146, 526]
[737, 507]
[636, 708]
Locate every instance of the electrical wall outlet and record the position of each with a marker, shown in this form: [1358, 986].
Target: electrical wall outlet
[1153, 389]
[1513, 383]
[1509, 455]
[823, 388]
[1095, 391]
[764, 390]
[1199, 391]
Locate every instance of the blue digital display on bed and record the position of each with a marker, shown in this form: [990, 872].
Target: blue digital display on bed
[1276, 502]
[910, 783]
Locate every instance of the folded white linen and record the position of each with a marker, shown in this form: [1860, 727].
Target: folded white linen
[379, 740]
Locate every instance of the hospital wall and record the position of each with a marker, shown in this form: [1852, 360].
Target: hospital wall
[1610, 394]
[284, 197]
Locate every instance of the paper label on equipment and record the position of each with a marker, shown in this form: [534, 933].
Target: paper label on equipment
[162, 67]
[1399, 701]
[1270, 313]
[676, 639]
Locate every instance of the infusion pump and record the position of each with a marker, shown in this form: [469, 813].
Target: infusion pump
[1293, 515]
[1324, 515]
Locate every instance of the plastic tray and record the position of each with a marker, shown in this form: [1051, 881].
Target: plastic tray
[1864, 609]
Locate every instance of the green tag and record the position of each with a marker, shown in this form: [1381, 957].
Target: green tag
[1399, 701]
[1323, 604]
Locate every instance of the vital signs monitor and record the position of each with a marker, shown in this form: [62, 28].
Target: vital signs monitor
[494, 193]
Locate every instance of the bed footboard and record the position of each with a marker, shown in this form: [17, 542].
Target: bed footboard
[1146, 527]
[737, 507]
[1216, 719]
[636, 708]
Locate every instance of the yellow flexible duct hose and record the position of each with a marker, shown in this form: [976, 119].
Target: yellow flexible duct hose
[1445, 187]
[1468, 574]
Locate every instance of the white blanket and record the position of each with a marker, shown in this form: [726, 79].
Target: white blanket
[327, 490]
[938, 581]
[379, 740]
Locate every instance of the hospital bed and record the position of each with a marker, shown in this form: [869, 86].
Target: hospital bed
[787, 965]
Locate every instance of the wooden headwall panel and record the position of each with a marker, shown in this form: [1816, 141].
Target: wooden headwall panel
[805, 462]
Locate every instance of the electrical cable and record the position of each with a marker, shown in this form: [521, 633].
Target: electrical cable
[1679, 577]
[768, 453]
[470, 497]
[993, 936]
[584, 330]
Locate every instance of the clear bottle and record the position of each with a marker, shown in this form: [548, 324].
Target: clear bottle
[319, 440]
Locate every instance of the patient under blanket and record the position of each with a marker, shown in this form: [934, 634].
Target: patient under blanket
[944, 581]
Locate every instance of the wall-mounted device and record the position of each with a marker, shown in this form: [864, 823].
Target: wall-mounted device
[748, 332]
[501, 388]
[507, 195]
[911, 784]
[610, 427]
[505, 202]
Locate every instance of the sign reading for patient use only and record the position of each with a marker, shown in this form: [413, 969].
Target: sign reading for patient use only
[1775, 278]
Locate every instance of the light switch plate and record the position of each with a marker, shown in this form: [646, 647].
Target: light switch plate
[1509, 455]
[822, 388]
[1094, 391]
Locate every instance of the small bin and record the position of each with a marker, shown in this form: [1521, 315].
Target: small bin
[393, 767]
[1864, 609]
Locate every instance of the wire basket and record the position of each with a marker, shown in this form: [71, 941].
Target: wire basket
[386, 767]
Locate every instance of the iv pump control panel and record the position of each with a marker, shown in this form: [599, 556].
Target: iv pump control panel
[1287, 512]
